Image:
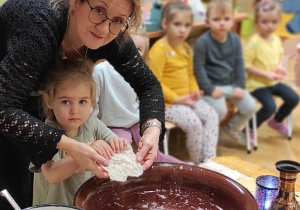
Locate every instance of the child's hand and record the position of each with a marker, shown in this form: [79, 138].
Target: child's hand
[185, 100]
[103, 149]
[238, 93]
[195, 95]
[273, 76]
[217, 93]
[118, 144]
[281, 72]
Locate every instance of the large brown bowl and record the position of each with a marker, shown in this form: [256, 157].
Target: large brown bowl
[166, 186]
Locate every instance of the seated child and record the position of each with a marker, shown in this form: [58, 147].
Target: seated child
[219, 69]
[171, 60]
[264, 64]
[69, 96]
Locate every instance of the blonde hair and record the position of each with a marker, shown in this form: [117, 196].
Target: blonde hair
[143, 33]
[135, 19]
[171, 9]
[222, 5]
[265, 6]
[66, 71]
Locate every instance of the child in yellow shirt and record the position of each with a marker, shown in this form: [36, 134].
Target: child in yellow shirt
[263, 56]
[171, 60]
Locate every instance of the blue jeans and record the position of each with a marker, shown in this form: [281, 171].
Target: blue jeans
[265, 97]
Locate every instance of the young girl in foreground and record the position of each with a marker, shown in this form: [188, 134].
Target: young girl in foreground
[171, 60]
[69, 96]
[264, 65]
[115, 95]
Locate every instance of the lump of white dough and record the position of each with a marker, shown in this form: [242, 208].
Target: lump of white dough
[123, 165]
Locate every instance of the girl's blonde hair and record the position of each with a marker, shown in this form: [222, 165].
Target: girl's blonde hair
[172, 8]
[265, 6]
[141, 31]
[135, 19]
[222, 5]
[66, 72]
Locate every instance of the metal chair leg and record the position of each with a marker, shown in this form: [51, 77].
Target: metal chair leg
[166, 142]
[248, 139]
[254, 131]
[290, 126]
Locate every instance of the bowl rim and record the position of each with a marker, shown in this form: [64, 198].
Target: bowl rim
[52, 205]
[167, 164]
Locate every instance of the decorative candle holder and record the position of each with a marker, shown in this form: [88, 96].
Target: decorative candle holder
[266, 190]
[286, 200]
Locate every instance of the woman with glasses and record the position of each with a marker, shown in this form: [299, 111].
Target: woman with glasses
[32, 34]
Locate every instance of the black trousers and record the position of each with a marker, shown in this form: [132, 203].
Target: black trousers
[14, 175]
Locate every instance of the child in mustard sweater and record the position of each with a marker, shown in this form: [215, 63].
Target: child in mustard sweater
[171, 60]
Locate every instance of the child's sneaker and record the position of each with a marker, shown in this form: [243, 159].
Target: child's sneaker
[242, 138]
[278, 126]
[235, 135]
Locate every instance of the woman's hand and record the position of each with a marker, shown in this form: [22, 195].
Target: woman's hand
[118, 144]
[148, 146]
[84, 155]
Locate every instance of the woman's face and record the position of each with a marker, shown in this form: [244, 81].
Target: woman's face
[96, 35]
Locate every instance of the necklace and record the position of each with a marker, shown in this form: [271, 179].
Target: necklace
[80, 53]
[69, 41]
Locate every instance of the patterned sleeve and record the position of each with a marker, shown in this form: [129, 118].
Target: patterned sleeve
[128, 62]
[30, 43]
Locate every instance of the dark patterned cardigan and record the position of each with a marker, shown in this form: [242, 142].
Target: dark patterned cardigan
[30, 36]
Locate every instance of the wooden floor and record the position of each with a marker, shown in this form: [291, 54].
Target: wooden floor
[272, 147]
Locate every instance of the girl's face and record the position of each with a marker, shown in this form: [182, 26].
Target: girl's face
[96, 35]
[140, 43]
[267, 23]
[178, 28]
[71, 105]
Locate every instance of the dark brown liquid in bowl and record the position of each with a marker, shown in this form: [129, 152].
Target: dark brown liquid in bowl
[166, 186]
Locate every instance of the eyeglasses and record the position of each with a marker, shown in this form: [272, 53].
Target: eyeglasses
[97, 16]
